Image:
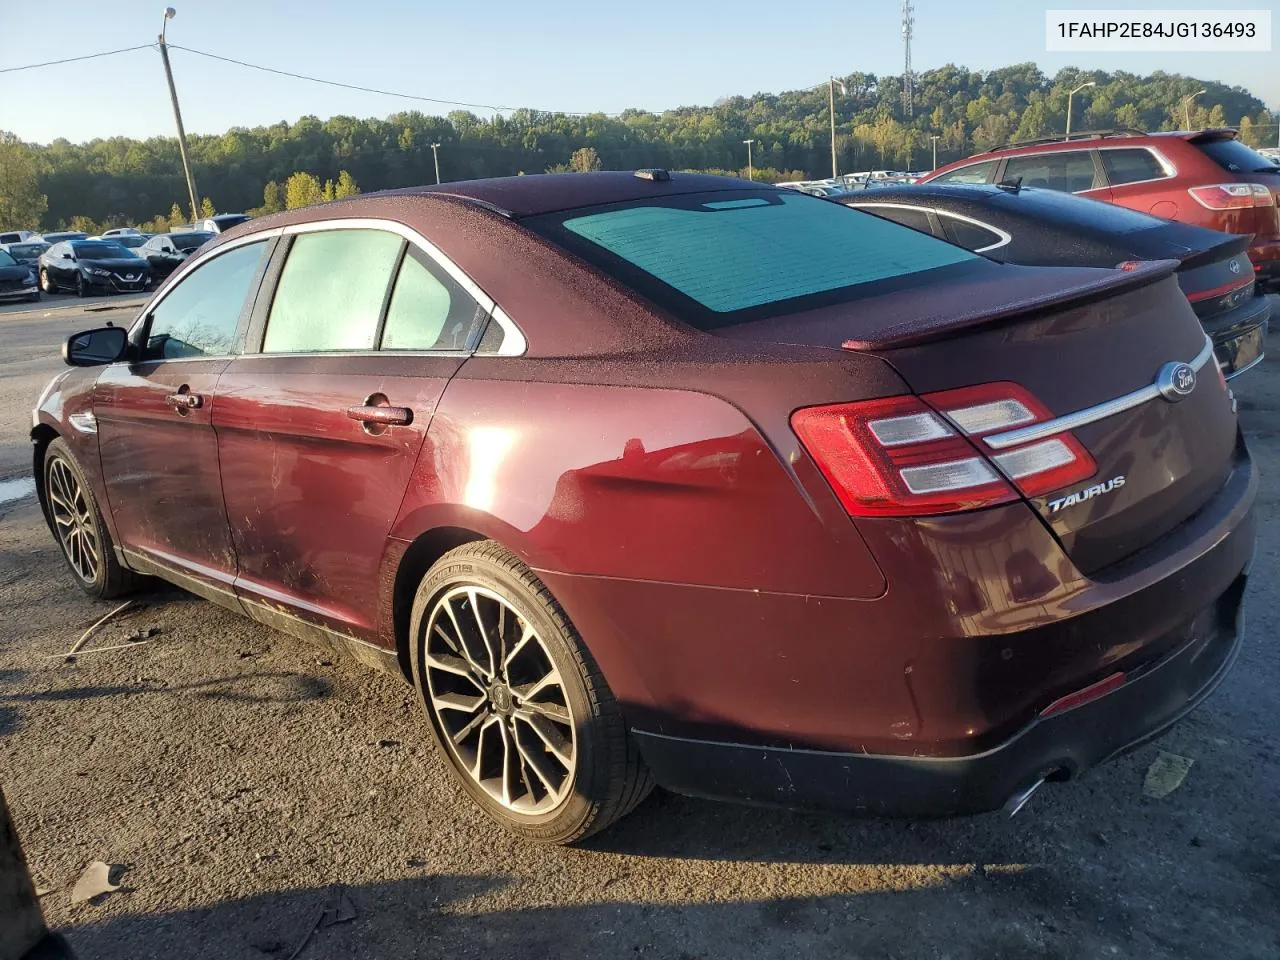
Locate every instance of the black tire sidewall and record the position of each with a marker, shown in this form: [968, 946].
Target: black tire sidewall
[567, 820]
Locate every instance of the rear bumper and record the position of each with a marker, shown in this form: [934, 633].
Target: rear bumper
[1239, 336]
[1056, 747]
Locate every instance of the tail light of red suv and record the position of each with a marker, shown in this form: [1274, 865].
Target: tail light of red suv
[916, 456]
[1232, 196]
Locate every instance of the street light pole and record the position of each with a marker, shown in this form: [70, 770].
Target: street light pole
[835, 172]
[751, 175]
[1186, 106]
[1091, 83]
[436, 157]
[169, 14]
[934, 138]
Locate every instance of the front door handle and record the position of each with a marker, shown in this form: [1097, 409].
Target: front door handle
[183, 401]
[381, 415]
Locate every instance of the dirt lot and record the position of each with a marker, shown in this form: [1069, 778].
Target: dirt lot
[244, 780]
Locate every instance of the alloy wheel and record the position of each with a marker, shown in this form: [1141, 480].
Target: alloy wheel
[73, 520]
[499, 700]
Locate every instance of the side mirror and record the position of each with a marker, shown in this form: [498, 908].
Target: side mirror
[67, 256]
[94, 348]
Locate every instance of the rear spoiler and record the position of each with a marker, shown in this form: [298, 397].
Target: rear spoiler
[1232, 244]
[1036, 299]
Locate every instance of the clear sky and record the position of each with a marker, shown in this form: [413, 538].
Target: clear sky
[573, 55]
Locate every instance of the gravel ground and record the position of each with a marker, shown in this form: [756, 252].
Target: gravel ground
[246, 783]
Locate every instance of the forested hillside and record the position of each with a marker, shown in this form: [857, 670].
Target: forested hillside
[124, 180]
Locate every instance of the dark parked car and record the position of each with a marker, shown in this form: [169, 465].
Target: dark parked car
[89, 266]
[683, 479]
[1203, 177]
[52, 238]
[223, 221]
[26, 251]
[166, 251]
[1036, 227]
[17, 280]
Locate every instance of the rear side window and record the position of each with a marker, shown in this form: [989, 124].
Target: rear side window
[1234, 156]
[728, 257]
[912, 217]
[331, 291]
[1068, 170]
[1131, 166]
[971, 236]
[974, 173]
[199, 316]
[429, 309]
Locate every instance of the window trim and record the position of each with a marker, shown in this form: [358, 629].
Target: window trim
[1005, 237]
[995, 161]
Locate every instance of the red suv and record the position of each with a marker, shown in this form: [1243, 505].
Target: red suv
[1208, 178]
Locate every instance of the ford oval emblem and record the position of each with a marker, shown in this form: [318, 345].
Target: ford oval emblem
[1234, 266]
[1176, 381]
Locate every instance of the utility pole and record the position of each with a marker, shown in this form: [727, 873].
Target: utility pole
[435, 155]
[169, 14]
[1186, 106]
[934, 138]
[1070, 96]
[835, 172]
[751, 175]
[908, 77]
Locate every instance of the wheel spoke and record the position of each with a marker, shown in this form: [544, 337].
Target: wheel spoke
[531, 690]
[470, 728]
[463, 649]
[548, 734]
[525, 636]
[506, 763]
[455, 665]
[460, 648]
[63, 520]
[537, 765]
[484, 634]
[460, 702]
[549, 709]
[476, 767]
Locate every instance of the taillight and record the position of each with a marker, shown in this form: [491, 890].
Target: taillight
[913, 456]
[1233, 196]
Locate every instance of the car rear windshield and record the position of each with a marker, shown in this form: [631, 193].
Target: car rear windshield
[717, 259]
[1235, 156]
[99, 250]
[31, 250]
[189, 241]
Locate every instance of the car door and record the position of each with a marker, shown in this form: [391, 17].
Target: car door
[154, 420]
[320, 426]
[60, 264]
[1137, 179]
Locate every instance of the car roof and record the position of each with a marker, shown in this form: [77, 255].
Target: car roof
[540, 193]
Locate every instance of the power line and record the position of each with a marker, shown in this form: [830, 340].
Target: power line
[497, 108]
[87, 56]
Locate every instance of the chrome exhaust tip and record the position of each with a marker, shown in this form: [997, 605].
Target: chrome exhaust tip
[1019, 799]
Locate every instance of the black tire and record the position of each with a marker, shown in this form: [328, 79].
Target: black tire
[81, 289]
[109, 579]
[609, 777]
[46, 282]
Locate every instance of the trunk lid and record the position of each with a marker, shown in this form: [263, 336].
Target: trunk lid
[1074, 338]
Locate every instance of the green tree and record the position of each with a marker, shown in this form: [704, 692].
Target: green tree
[585, 160]
[272, 200]
[346, 186]
[327, 194]
[175, 216]
[21, 202]
[302, 190]
[206, 208]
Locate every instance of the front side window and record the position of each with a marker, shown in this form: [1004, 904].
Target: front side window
[716, 259]
[429, 310]
[331, 291]
[1131, 166]
[200, 316]
[973, 173]
[1067, 170]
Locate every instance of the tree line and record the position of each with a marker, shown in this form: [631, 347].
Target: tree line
[123, 180]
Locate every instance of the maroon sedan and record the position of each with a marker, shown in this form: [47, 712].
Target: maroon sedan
[680, 479]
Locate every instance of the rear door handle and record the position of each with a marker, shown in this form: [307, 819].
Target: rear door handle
[380, 415]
